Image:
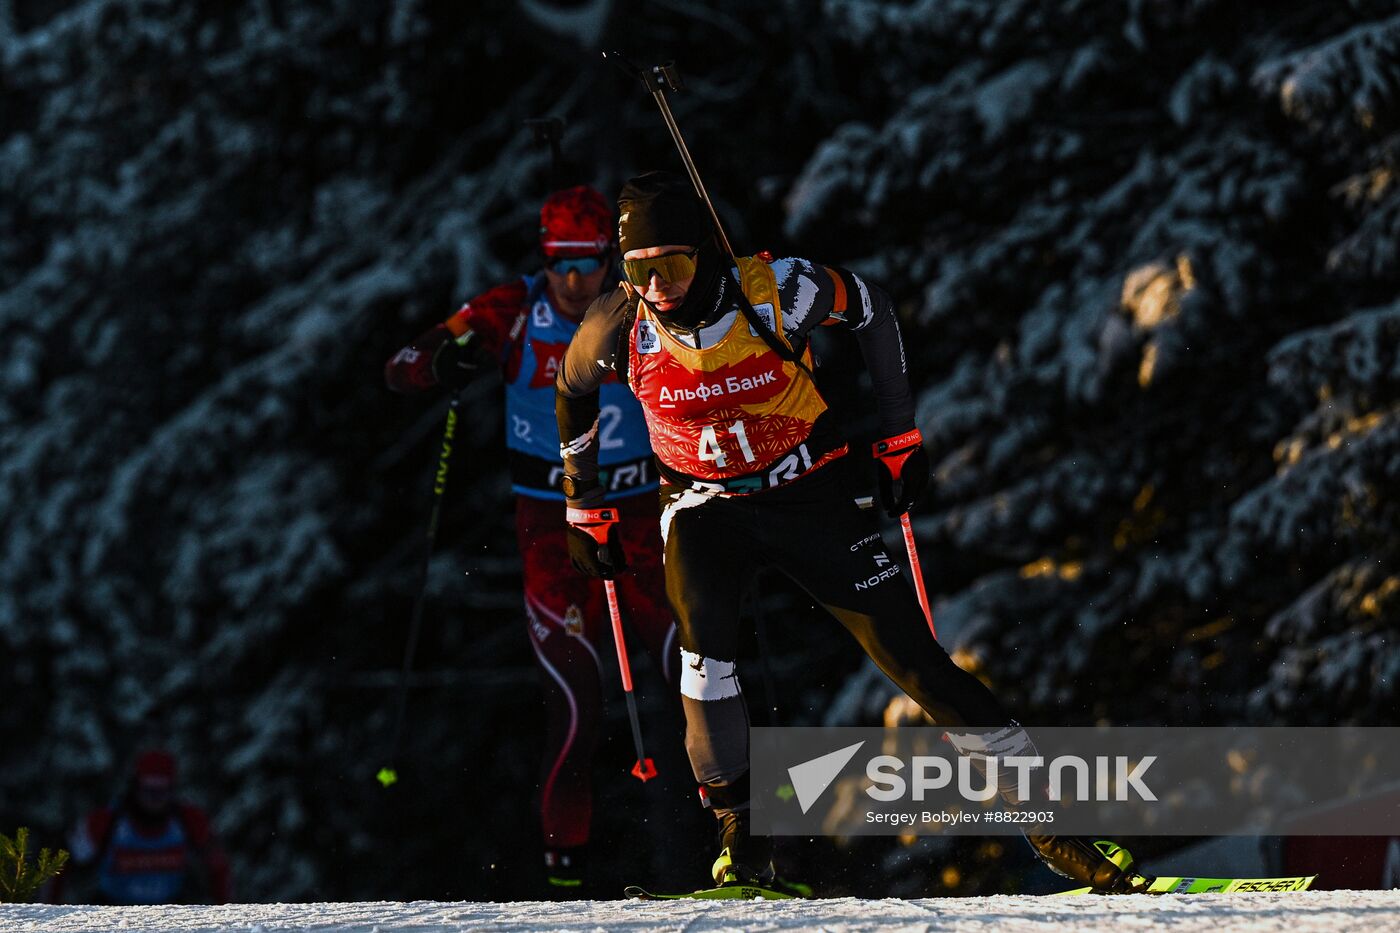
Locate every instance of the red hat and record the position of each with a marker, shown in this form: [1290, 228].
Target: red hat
[154, 765]
[575, 222]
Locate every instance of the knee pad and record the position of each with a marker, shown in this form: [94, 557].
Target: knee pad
[707, 679]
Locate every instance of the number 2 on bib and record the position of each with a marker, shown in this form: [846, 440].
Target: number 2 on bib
[710, 449]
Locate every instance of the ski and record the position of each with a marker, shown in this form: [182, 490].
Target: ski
[726, 892]
[1187, 885]
[1167, 884]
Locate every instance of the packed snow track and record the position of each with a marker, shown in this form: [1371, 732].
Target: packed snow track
[1295, 913]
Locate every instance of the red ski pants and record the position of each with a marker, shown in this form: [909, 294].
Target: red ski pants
[571, 633]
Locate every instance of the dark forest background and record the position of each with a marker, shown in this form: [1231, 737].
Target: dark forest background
[1145, 254]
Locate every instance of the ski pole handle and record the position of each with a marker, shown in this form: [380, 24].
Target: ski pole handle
[917, 571]
[894, 451]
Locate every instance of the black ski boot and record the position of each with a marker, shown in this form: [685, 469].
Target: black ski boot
[1102, 865]
[564, 872]
[744, 858]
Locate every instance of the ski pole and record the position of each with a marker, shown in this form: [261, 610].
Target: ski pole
[387, 774]
[893, 454]
[596, 523]
[645, 769]
[658, 80]
[917, 571]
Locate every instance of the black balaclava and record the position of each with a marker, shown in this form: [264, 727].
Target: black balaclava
[662, 209]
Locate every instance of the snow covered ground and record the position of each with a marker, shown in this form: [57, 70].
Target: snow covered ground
[1295, 913]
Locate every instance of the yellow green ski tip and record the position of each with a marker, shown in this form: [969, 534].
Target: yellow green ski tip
[1189, 885]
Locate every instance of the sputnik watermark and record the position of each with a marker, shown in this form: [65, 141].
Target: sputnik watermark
[1114, 777]
[840, 781]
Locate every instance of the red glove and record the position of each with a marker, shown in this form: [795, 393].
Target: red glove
[903, 473]
[434, 358]
[411, 369]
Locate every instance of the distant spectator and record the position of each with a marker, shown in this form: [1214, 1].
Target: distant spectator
[148, 847]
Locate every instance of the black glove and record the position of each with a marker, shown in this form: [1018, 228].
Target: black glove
[594, 546]
[455, 362]
[903, 471]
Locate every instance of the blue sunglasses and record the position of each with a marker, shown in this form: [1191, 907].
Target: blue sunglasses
[583, 265]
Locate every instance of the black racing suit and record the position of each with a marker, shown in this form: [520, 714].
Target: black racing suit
[818, 527]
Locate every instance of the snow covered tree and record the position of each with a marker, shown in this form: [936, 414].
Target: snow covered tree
[1144, 254]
